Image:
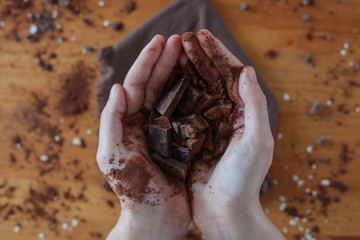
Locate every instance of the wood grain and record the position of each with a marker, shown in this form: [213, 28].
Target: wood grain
[267, 25]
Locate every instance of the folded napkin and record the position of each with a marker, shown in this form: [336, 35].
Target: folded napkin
[178, 17]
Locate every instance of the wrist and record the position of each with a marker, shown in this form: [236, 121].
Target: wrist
[247, 222]
[140, 223]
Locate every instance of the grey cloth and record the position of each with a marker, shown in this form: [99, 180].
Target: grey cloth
[178, 17]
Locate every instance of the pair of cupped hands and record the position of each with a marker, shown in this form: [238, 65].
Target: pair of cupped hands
[224, 198]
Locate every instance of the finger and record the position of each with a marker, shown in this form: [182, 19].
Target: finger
[111, 129]
[202, 62]
[226, 63]
[256, 118]
[138, 75]
[162, 70]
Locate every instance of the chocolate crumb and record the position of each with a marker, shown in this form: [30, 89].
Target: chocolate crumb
[272, 54]
[117, 26]
[130, 7]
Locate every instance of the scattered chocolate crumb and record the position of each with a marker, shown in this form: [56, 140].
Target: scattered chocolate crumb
[130, 7]
[315, 229]
[341, 187]
[96, 235]
[110, 203]
[272, 54]
[87, 21]
[291, 211]
[12, 158]
[117, 26]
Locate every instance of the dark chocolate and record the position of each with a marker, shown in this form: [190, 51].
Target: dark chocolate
[171, 166]
[180, 153]
[160, 139]
[196, 121]
[191, 96]
[195, 145]
[224, 130]
[213, 113]
[171, 98]
[205, 101]
[188, 131]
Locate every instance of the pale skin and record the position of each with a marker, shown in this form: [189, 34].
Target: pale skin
[225, 202]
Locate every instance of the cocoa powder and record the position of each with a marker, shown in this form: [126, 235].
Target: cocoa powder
[134, 179]
[75, 90]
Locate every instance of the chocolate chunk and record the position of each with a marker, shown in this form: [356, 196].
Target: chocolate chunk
[163, 122]
[196, 121]
[220, 147]
[180, 153]
[117, 26]
[130, 6]
[176, 126]
[213, 113]
[171, 166]
[195, 145]
[225, 108]
[87, 21]
[206, 156]
[224, 130]
[160, 139]
[177, 136]
[208, 143]
[203, 103]
[189, 99]
[188, 131]
[153, 114]
[171, 98]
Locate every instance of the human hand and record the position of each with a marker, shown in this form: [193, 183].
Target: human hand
[225, 196]
[151, 206]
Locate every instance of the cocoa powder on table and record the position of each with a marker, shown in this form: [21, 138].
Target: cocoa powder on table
[75, 90]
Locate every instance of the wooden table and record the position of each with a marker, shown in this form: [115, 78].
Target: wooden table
[276, 39]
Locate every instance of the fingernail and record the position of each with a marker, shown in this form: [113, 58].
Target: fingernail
[112, 92]
[250, 72]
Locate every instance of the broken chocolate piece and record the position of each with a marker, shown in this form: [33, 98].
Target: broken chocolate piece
[206, 156]
[224, 131]
[180, 153]
[177, 136]
[196, 121]
[163, 122]
[225, 107]
[160, 139]
[195, 145]
[171, 98]
[213, 113]
[220, 147]
[208, 143]
[189, 99]
[153, 114]
[171, 166]
[188, 131]
[205, 101]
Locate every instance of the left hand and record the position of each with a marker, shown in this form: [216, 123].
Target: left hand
[151, 206]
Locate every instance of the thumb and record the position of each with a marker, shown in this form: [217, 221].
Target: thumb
[256, 119]
[111, 129]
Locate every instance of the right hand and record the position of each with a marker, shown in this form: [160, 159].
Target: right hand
[225, 197]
